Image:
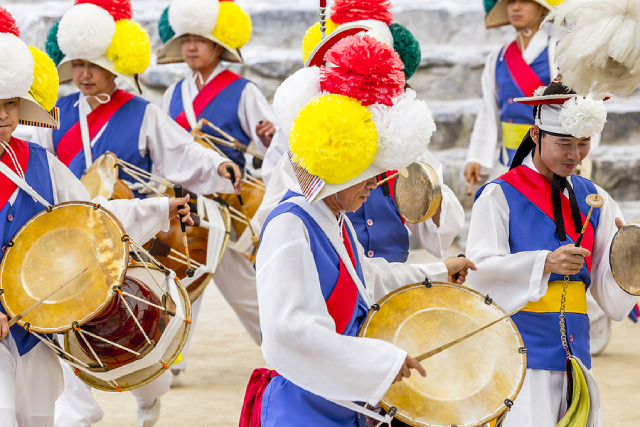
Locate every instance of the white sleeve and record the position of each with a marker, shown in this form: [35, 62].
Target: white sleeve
[512, 280]
[278, 147]
[165, 102]
[299, 339]
[254, 108]
[44, 138]
[615, 302]
[142, 219]
[486, 129]
[177, 157]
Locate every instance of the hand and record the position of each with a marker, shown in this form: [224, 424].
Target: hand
[619, 223]
[566, 260]
[409, 364]
[265, 131]
[222, 171]
[180, 206]
[4, 325]
[458, 268]
[472, 173]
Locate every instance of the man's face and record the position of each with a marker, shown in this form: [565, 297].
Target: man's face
[523, 13]
[9, 117]
[92, 79]
[353, 197]
[562, 154]
[198, 52]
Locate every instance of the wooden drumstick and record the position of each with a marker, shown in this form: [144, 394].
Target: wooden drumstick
[242, 208]
[404, 173]
[471, 184]
[442, 348]
[595, 201]
[177, 190]
[43, 299]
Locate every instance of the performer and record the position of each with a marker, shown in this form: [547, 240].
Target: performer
[93, 43]
[30, 374]
[203, 34]
[522, 233]
[315, 285]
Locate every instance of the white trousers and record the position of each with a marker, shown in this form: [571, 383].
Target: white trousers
[542, 400]
[236, 280]
[29, 385]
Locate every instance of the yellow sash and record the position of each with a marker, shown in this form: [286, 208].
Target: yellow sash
[513, 133]
[576, 301]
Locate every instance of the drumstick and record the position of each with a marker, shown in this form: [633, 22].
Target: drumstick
[471, 184]
[41, 300]
[242, 209]
[177, 189]
[595, 201]
[459, 340]
[404, 173]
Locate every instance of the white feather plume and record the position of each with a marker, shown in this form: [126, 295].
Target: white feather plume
[539, 91]
[293, 94]
[16, 67]
[404, 131]
[583, 117]
[86, 31]
[194, 16]
[602, 51]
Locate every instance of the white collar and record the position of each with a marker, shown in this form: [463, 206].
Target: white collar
[191, 76]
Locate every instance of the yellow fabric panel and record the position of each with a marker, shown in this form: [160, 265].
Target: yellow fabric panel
[550, 303]
[513, 133]
[179, 359]
[578, 413]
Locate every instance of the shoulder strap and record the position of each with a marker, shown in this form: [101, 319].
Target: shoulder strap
[522, 74]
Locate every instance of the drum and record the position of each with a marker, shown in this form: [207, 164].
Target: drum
[101, 179]
[418, 196]
[252, 193]
[469, 384]
[624, 258]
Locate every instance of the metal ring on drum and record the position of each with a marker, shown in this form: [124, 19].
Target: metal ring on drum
[467, 385]
[624, 258]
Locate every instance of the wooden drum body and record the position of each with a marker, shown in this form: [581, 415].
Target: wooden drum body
[101, 179]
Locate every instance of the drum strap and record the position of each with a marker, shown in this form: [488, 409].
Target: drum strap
[20, 182]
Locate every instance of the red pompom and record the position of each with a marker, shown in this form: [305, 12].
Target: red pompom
[366, 69]
[7, 23]
[118, 9]
[344, 11]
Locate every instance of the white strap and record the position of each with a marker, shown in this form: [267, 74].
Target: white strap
[553, 67]
[23, 184]
[187, 104]
[361, 409]
[83, 106]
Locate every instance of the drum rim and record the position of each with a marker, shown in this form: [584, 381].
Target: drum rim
[437, 193]
[386, 406]
[95, 206]
[617, 278]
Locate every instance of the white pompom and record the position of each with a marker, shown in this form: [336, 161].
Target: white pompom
[293, 94]
[86, 31]
[16, 67]
[404, 131]
[194, 16]
[379, 31]
[583, 117]
[539, 91]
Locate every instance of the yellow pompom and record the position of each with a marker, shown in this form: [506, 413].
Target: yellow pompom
[44, 88]
[334, 138]
[313, 36]
[233, 27]
[130, 48]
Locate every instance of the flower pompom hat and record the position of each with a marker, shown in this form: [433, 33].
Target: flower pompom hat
[29, 74]
[103, 33]
[223, 22]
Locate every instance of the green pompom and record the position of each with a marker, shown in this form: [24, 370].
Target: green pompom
[488, 5]
[407, 47]
[51, 45]
[164, 28]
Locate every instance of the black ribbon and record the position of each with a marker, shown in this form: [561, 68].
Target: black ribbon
[558, 184]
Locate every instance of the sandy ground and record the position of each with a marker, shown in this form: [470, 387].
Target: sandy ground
[222, 357]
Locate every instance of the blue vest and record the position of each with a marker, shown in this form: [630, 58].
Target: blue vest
[530, 229]
[23, 209]
[284, 403]
[223, 112]
[387, 236]
[120, 135]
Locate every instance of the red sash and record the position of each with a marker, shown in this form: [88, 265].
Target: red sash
[207, 94]
[537, 189]
[252, 405]
[71, 143]
[392, 184]
[344, 297]
[521, 73]
[7, 187]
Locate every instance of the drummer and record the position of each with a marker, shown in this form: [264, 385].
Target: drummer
[193, 34]
[30, 374]
[315, 285]
[523, 244]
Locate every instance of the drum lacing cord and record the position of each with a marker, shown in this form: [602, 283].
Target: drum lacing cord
[98, 337]
[76, 327]
[140, 175]
[133, 245]
[563, 331]
[183, 260]
[164, 365]
[133, 316]
[58, 349]
[121, 292]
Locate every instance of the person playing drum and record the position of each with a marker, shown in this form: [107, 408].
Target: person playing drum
[315, 284]
[30, 374]
[522, 237]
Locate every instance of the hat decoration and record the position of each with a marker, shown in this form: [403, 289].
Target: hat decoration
[29, 74]
[497, 15]
[100, 31]
[223, 22]
[355, 11]
[601, 53]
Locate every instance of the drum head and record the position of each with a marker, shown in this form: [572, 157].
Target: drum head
[624, 258]
[419, 195]
[467, 384]
[101, 177]
[51, 249]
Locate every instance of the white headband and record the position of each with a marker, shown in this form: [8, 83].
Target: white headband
[580, 117]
